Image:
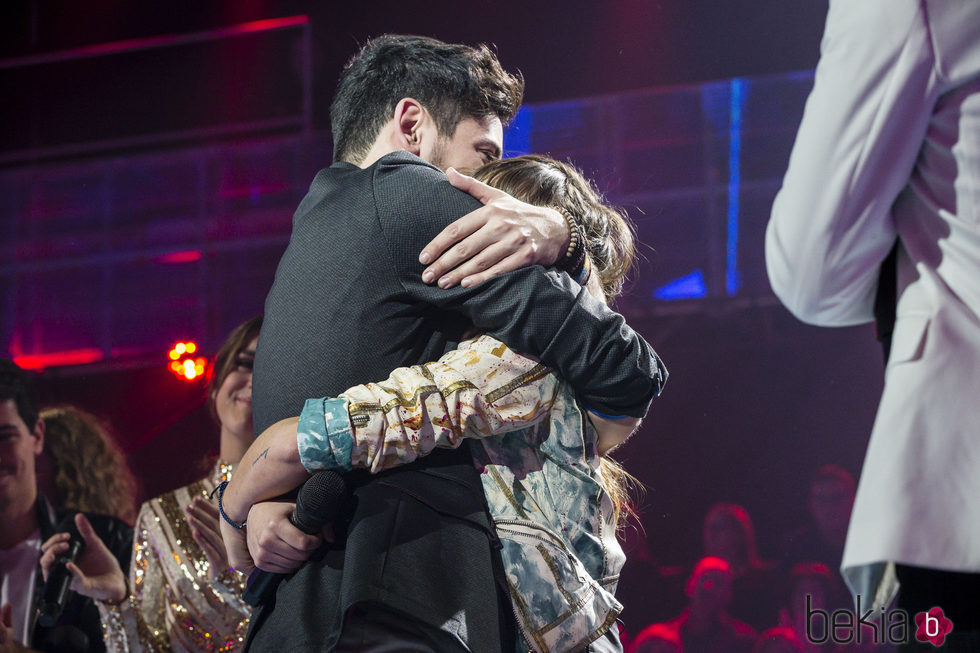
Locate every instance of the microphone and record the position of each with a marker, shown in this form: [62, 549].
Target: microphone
[59, 578]
[319, 501]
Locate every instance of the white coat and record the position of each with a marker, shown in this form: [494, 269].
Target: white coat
[889, 147]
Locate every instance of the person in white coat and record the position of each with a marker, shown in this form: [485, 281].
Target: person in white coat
[889, 152]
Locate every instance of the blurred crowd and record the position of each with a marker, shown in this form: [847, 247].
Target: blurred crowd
[734, 601]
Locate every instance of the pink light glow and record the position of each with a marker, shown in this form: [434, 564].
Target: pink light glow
[175, 258]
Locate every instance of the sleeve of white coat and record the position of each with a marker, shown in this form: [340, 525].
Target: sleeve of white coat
[862, 129]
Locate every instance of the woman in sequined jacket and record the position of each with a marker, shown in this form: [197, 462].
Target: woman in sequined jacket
[180, 594]
[553, 498]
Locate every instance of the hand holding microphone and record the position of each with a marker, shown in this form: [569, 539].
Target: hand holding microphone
[77, 560]
[280, 551]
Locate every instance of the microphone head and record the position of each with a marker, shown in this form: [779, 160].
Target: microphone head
[319, 501]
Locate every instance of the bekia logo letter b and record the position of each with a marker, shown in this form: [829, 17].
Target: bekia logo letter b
[932, 626]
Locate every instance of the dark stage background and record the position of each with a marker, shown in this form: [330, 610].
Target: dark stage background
[223, 136]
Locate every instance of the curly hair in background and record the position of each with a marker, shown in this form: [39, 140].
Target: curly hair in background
[89, 469]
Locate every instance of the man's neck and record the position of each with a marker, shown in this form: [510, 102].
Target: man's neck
[19, 521]
[371, 158]
[382, 147]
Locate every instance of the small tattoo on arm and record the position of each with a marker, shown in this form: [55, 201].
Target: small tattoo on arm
[264, 454]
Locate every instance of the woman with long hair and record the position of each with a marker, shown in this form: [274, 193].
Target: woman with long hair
[87, 469]
[179, 593]
[553, 493]
[728, 533]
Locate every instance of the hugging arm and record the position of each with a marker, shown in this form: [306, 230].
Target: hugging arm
[481, 389]
[478, 390]
[543, 313]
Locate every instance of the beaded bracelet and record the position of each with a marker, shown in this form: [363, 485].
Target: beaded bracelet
[573, 262]
[220, 489]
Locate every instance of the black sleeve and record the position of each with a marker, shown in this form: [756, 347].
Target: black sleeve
[541, 312]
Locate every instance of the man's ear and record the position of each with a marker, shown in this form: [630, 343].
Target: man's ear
[38, 434]
[409, 119]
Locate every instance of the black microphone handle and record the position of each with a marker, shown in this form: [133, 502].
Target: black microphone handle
[57, 587]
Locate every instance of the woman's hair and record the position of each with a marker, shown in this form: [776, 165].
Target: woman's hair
[609, 238]
[542, 181]
[224, 360]
[739, 520]
[89, 469]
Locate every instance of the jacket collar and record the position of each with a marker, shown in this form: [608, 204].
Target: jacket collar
[46, 517]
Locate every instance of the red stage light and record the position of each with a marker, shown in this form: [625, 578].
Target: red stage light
[56, 359]
[181, 363]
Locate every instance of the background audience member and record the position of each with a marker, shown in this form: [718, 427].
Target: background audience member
[812, 587]
[84, 468]
[181, 594]
[657, 638]
[830, 499]
[728, 534]
[649, 592]
[27, 518]
[705, 626]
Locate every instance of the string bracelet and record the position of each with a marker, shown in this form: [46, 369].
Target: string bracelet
[220, 489]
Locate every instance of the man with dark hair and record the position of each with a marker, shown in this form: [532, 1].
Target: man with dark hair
[419, 569]
[451, 81]
[28, 520]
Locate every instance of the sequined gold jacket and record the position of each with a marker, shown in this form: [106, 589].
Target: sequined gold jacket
[172, 605]
[540, 470]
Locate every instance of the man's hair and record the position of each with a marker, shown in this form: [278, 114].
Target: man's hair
[451, 81]
[15, 384]
[224, 360]
[834, 473]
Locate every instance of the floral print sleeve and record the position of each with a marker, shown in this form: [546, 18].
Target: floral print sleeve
[481, 389]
